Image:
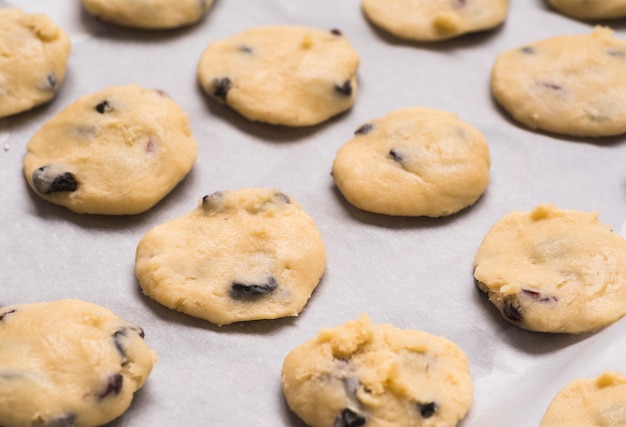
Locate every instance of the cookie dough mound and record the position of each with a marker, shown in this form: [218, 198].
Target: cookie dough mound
[241, 255]
[364, 374]
[599, 402]
[572, 85]
[591, 9]
[413, 162]
[118, 151]
[33, 60]
[148, 14]
[434, 20]
[68, 363]
[284, 75]
[554, 270]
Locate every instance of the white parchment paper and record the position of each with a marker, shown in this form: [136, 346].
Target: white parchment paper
[411, 272]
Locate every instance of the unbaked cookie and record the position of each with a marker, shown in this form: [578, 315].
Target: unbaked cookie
[597, 402]
[591, 9]
[68, 363]
[375, 375]
[573, 85]
[413, 162]
[434, 20]
[148, 14]
[33, 60]
[554, 270]
[118, 151]
[283, 75]
[241, 255]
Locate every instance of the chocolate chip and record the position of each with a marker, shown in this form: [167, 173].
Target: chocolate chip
[365, 129]
[344, 89]
[118, 337]
[221, 87]
[6, 313]
[282, 197]
[104, 107]
[212, 201]
[53, 179]
[553, 86]
[335, 32]
[511, 309]
[245, 49]
[349, 418]
[249, 290]
[529, 50]
[114, 386]
[68, 420]
[427, 410]
[52, 80]
[394, 155]
[538, 296]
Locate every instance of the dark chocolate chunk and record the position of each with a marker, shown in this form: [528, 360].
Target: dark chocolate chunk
[335, 32]
[349, 418]
[104, 107]
[365, 129]
[345, 88]
[118, 337]
[529, 50]
[394, 155]
[427, 410]
[511, 309]
[553, 86]
[221, 87]
[49, 179]
[245, 49]
[538, 296]
[68, 420]
[114, 386]
[282, 197]
[6, 313]
[249, 290]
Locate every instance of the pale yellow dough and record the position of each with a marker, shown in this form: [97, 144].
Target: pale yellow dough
[33, 60]
[376, 375]
[117, 151]
[242, 255]
[434, 20]
[68, 363]
[572, 85]
[148, 14]
[589, 402]
[591, 9]
[554, 270]
[282, 75]
[413, 162]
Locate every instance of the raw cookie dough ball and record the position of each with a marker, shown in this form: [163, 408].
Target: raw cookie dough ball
[591, 9]
[292, 76]
[599, 402]
[413, 162]
[68, 363]
[434, 20]
[554, 270]
[148, 14]
[373, 375]
[33, 60]
[572, 85]
[118, 151]
[241, 255]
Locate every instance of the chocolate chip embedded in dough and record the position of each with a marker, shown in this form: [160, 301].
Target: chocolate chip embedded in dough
[53, 179]
[212, 201]
[365, 129]
[239, 290]
[245, 49]
[6, 313]
[335, 32]
[349, 418]
[529, 50]
[551, 85]
[114, 386]
[221, 87]
[427, 410]
[511, 309]
[344, 89]
[68, 420]
[538, 296]
[282, 197]
[118, 337]
[395, 156]
[52, 81]
[104, 107]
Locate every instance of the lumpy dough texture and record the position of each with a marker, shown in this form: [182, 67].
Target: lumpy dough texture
[554, 270]
[68, 363]
[375, 375]
[413, 162]
[593, 402]
[33, 60]
[284, 75]
[591, 9]
[148, 14]
[117, 151]
[241, 255]
[571, 85]
[433, 20]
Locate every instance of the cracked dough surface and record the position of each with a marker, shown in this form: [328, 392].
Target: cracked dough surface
[572, 85]
[117, 151]
[68, 363]
[375, 375]
[413, 162]
[247, 254]
[591, 9]
[33, 60]
[554, 270]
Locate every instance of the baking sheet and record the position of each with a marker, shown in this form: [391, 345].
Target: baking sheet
[411, 272]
